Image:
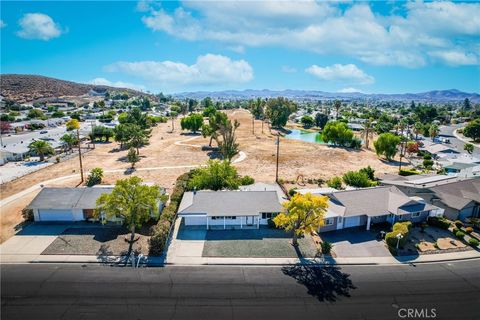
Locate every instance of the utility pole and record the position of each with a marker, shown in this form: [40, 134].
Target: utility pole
[80, 154]
[278, 153]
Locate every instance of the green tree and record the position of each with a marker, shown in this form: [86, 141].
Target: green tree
[208, 111]
[307, 121]
[35, 114]
[338, 133]
[358, 179]
[337, 104]
[386, 145]
[69, 140]
[122, 134]
[138, 137]
[467, 106]
[278, 110]
[133, 157]
[228, 145]
[321, 120]
[472, 130]
[95, 177]
[257, 108]
[132, 201]
[304, 214]
[367, 132]
[468, 147]
[213, 127]
[417, 128]
[217, 175]
[41, 148]
[433, 131]
[192, 122]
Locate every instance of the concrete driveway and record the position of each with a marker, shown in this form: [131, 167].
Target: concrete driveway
[187, 243]
[350, 243]
[31, 241]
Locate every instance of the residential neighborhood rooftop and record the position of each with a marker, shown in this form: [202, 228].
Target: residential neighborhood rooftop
[68, 198]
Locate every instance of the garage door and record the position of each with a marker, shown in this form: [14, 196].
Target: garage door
[351, 222]
[55, 215]
[195, 221]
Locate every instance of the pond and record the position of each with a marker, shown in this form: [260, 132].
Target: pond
[307, 136]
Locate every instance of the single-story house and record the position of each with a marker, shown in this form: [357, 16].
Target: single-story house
[364, 207]
[458, 197]
[68, 204]
[232, 209]
[438, 149]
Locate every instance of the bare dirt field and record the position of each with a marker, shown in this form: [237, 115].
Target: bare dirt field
[296, 158]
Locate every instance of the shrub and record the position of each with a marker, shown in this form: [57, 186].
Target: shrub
[400, 227]
[246, 180]
[473, 242]
[292, 192]
[27, 214]
[159, 237]
[326, 247]
[369, 171]
[458, 224]
[356, 143]
[335, 182]
[439, 222]
[460, 234]
[455, 230]
[428, 164]
[356, 179]
[271, 224]
[95, 177]
[468, 230]
[408, 172]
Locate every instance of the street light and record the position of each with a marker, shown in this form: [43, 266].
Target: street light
[399, 236]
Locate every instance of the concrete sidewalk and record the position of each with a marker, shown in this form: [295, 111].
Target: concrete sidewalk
[192, 261]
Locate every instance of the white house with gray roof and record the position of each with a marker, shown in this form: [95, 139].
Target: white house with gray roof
[229, 209]
[363, 207]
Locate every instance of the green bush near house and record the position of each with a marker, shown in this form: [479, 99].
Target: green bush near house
[439, 222]
[460, 234]
[408, 172]
[326, 247]
[473, 242]
[400, 227]
[271, 224]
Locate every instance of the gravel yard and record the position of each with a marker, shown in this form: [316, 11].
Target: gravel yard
[263, 242]
[100, 241]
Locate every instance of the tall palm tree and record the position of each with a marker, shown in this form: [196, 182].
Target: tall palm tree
[417, 128]
[367, 132]
[433, 131]
[41, 148]
[337, 104]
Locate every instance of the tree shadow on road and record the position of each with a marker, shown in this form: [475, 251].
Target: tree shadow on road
[326, 283]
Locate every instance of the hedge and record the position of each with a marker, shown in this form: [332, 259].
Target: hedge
[473, 242]
[439, 222]
[159, 232]
[408, 172]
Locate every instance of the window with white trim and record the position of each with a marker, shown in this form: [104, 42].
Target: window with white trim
[416, 214]
[328, 221]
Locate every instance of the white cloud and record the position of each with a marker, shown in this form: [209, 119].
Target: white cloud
[38, 26]
[403, 37]
[209, 69]
[455, 57]
[237, 49]
[2, 24]
[349, 90]
[117, 84]
[341, 73]
[288, 69]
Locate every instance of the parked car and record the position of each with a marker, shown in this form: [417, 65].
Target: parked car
[43, 131]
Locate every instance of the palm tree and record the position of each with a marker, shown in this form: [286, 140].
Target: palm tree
[433, 131]
[367, 132]
[417, 128]
[337, 104]
[41, 148]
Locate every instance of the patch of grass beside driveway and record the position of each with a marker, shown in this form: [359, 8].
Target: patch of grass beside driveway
[255, 243]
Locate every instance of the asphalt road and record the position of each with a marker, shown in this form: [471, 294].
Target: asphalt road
[447, 131]
[214, 292]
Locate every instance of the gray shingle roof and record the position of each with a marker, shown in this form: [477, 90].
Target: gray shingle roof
[374, 202]
[229, 203]
[68, 198]
[458, 194]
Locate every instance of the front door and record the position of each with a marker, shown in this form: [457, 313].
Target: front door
[250, 221]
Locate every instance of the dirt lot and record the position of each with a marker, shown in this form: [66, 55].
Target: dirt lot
[296, 158]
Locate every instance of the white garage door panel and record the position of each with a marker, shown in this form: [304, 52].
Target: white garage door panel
[195, 221]
[55, 215]
[352, 222]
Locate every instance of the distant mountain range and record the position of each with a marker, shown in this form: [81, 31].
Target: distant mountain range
[26, 88]
[432, 96]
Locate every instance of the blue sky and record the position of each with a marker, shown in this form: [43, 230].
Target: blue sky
[374, 47]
